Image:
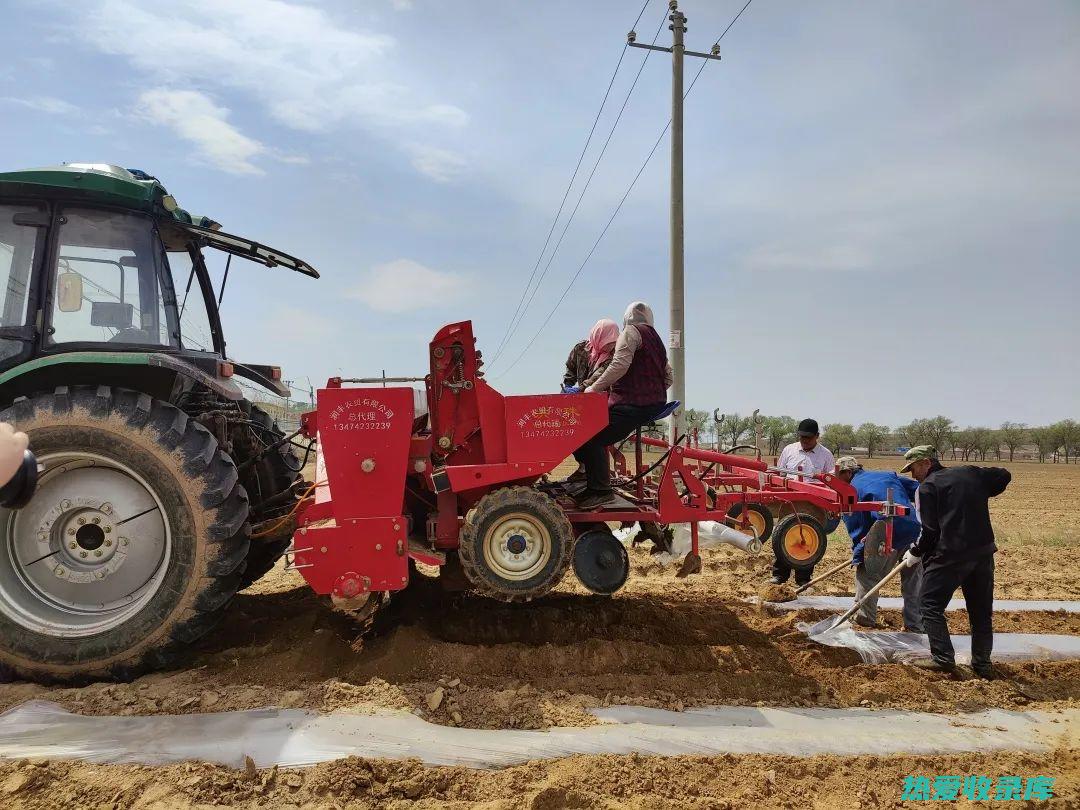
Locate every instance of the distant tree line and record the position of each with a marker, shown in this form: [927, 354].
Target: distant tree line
[1059, 442]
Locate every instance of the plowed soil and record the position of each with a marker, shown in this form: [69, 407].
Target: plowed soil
[661, 641]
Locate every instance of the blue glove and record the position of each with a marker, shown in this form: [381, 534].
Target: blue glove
[857, 553]
[571, 389]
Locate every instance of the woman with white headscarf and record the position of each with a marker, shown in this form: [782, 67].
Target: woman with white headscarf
[636, 379]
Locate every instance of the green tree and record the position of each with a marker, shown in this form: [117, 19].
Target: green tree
[1067, 433]
[1013, 435]
[936, 432]
[733, 428]
[1046, 441]
[778, 431]
[986, 442]
[872, 436]
[838, 437]
[974, 441]
[697, 420]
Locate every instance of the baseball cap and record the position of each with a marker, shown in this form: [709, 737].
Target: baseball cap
[918, 453]
[846, 463]
[808, 427]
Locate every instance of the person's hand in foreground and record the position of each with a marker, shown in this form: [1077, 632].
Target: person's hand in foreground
[13, 444]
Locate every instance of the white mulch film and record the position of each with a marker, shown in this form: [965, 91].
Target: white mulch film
[843, 603]
[291, 737]
[884, 646]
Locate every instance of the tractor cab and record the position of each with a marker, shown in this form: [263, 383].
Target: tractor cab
[99, 263]
[163, 489]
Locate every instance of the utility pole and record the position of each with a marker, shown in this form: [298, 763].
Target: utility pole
[677, 341]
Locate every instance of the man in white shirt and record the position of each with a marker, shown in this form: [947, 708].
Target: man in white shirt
[808, 456]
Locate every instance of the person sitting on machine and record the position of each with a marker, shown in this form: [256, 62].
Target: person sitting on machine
[587, 361]
[591, 357]
[636, 380]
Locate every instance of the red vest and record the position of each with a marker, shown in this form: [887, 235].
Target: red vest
[643, 383]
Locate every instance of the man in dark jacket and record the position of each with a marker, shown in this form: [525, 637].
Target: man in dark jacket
[956, 549]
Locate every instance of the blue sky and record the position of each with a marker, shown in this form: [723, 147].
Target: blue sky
[883, 199]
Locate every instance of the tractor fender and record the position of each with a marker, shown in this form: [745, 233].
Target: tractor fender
[151, 372]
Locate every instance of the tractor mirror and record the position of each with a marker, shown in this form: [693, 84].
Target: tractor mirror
[69, 292]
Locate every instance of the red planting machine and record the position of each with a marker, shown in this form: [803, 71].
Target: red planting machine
[461, 481]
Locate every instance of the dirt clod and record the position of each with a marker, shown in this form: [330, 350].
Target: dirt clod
[435, 699]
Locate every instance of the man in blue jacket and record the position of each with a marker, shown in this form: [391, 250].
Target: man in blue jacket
[867, 532]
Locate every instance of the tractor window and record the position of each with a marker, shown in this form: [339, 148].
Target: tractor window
[17, 243]
[195, 330]
[109, 281]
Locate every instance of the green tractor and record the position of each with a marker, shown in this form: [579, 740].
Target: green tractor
[162, 489]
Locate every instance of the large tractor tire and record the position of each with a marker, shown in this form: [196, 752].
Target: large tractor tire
[516, 544]
[271, 475]
[132, 546]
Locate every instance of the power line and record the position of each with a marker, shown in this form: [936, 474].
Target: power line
[618, 207]
[588, 256]
[566, 194]
[588, 182]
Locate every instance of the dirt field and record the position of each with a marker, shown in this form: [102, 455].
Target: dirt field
[660, 641]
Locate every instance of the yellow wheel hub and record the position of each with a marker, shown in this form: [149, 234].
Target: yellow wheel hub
[801, 542]
[755, 522]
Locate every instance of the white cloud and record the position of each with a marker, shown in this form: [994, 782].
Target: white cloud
[302, 325]
[45, 104]
[837, 257]
[404, 285]
[440, 165]
[308, 70]
[402, 5]
[194, 117]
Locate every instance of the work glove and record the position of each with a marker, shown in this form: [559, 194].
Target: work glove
[13, 445]
[571, 389]
[910, 560]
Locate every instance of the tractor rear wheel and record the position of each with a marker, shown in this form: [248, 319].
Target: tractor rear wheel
[516, 544]
[799, 540]
[276, 472]
[132, 546]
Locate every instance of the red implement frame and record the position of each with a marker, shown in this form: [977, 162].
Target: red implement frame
[399, 484]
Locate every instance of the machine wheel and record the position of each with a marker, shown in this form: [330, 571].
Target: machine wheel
[516, 544]
[799, 540]
[132, 546]
[758, 518]
[600, 561]
[274, 473]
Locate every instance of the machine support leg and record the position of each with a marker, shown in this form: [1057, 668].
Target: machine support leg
[888, 520]
[638, 464]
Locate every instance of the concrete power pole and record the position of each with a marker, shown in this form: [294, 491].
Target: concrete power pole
[677, 341]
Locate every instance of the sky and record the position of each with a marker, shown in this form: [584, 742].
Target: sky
[882, 199]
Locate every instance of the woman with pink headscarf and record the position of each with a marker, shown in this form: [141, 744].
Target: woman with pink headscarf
[590, 358]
